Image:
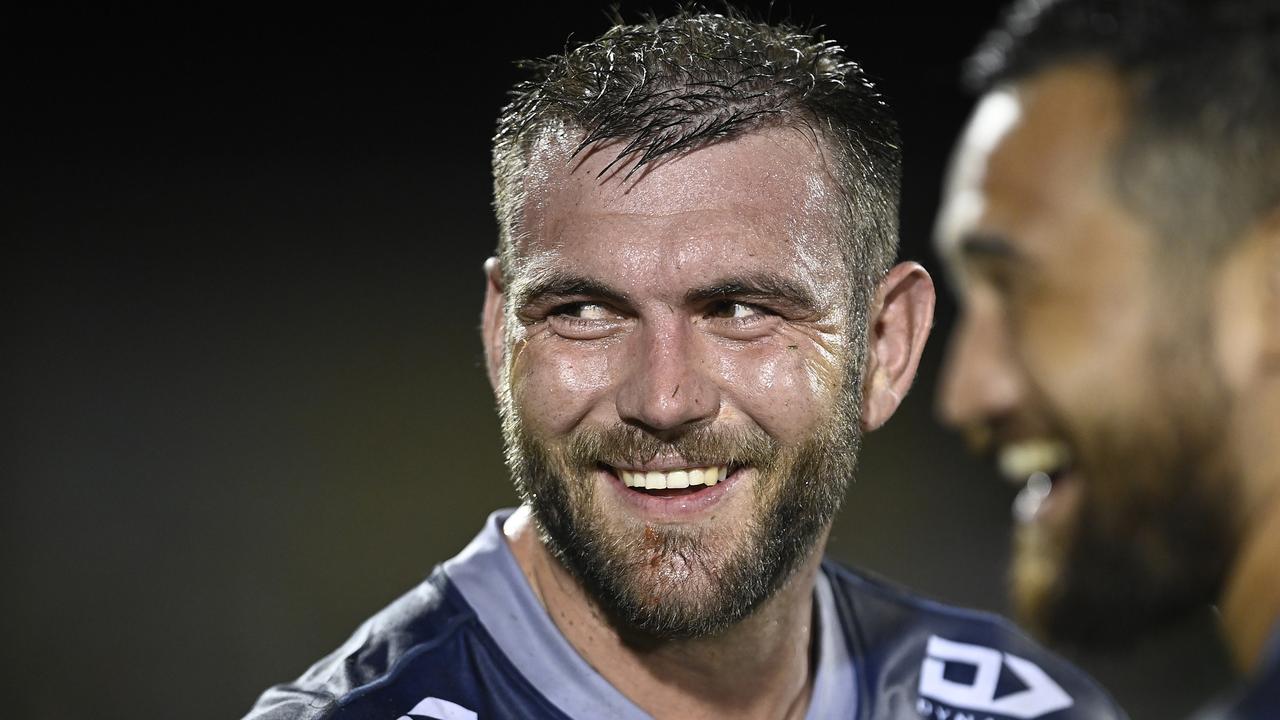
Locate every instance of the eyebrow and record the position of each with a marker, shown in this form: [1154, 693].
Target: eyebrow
[984, 246]
[756, 285]
[556, 283]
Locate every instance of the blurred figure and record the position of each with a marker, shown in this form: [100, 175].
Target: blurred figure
[1112, 225]
[693, 315]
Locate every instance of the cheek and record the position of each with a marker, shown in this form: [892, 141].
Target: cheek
[555, 388]
[1088, 358]
[784, 390]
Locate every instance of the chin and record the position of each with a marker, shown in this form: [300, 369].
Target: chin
[1105, 591]
[1033, 578]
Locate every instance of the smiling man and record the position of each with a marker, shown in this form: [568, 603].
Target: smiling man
[693, 315]
[1113, 225]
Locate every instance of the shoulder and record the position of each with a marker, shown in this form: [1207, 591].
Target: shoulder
[427, 654]
[919, 658]
[422, 617]
[1256, 699]
[431, 653]
[1261, 698]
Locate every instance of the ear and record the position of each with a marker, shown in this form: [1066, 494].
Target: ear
[1270, 239]
[1247, 309]
[901, 317]
[493, 328]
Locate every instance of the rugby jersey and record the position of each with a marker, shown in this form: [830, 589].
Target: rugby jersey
[1258, 698]
[472, 641]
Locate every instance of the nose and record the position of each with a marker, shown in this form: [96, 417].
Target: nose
[668, 386]
[982, 378]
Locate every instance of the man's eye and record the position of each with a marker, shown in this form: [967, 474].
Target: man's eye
[585, 320]
[734, 310]
[585, 311]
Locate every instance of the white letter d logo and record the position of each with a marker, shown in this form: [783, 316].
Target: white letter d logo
[1040, 696]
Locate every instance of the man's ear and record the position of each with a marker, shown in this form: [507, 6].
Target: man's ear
[1271, 258]
[1246, 296]
[901, 317]
[493, 320]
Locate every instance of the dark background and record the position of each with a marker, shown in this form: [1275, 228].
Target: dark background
[242, 367]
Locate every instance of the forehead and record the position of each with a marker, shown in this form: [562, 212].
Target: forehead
[1034, 160]
[763, 193]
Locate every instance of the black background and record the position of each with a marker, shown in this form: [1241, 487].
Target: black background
[242, 289]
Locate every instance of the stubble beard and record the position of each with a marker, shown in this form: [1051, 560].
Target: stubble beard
[684, 582]
[1151, 540]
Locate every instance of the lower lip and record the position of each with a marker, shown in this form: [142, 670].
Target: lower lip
[1064, 496]
[673, 508]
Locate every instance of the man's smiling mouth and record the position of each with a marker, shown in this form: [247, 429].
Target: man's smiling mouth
[1035, 464]
[656, 482]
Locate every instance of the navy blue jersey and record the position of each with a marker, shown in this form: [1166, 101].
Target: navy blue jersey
[1259, 698]
[472, 641]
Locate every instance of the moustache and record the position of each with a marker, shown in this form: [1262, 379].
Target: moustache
[622, 445]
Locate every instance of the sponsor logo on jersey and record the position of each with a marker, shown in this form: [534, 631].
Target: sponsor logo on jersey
[438, 709]
[959, 681]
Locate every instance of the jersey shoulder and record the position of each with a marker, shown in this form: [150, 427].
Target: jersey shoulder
[919, 658]
[426, 655]
[1258, 698]
[1261, 698]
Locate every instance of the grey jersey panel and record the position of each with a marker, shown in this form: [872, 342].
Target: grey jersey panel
[487, 575]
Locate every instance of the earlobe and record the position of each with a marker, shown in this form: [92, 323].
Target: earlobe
[493, 320]
[902, 316]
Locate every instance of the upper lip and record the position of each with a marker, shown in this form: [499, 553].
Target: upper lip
[664, 465]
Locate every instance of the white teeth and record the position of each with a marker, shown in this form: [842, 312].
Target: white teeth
[654, 480]
[1020, 461]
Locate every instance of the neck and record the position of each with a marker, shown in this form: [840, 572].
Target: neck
[760, 668]
[1251, 602]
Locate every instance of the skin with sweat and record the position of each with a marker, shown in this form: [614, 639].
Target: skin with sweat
[1083, 353]
[704, 291]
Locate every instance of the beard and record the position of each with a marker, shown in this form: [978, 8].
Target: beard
[684, 582]
[1151, 538]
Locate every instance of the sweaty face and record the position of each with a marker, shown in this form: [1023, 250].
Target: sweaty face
[1081, 361]
[680, 404]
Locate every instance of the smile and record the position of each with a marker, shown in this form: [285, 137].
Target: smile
[674, 479]
[1036, 465]
[674, 493]
[1021, 460]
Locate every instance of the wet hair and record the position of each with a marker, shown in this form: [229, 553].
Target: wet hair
[1200, 158]
[661, 88]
